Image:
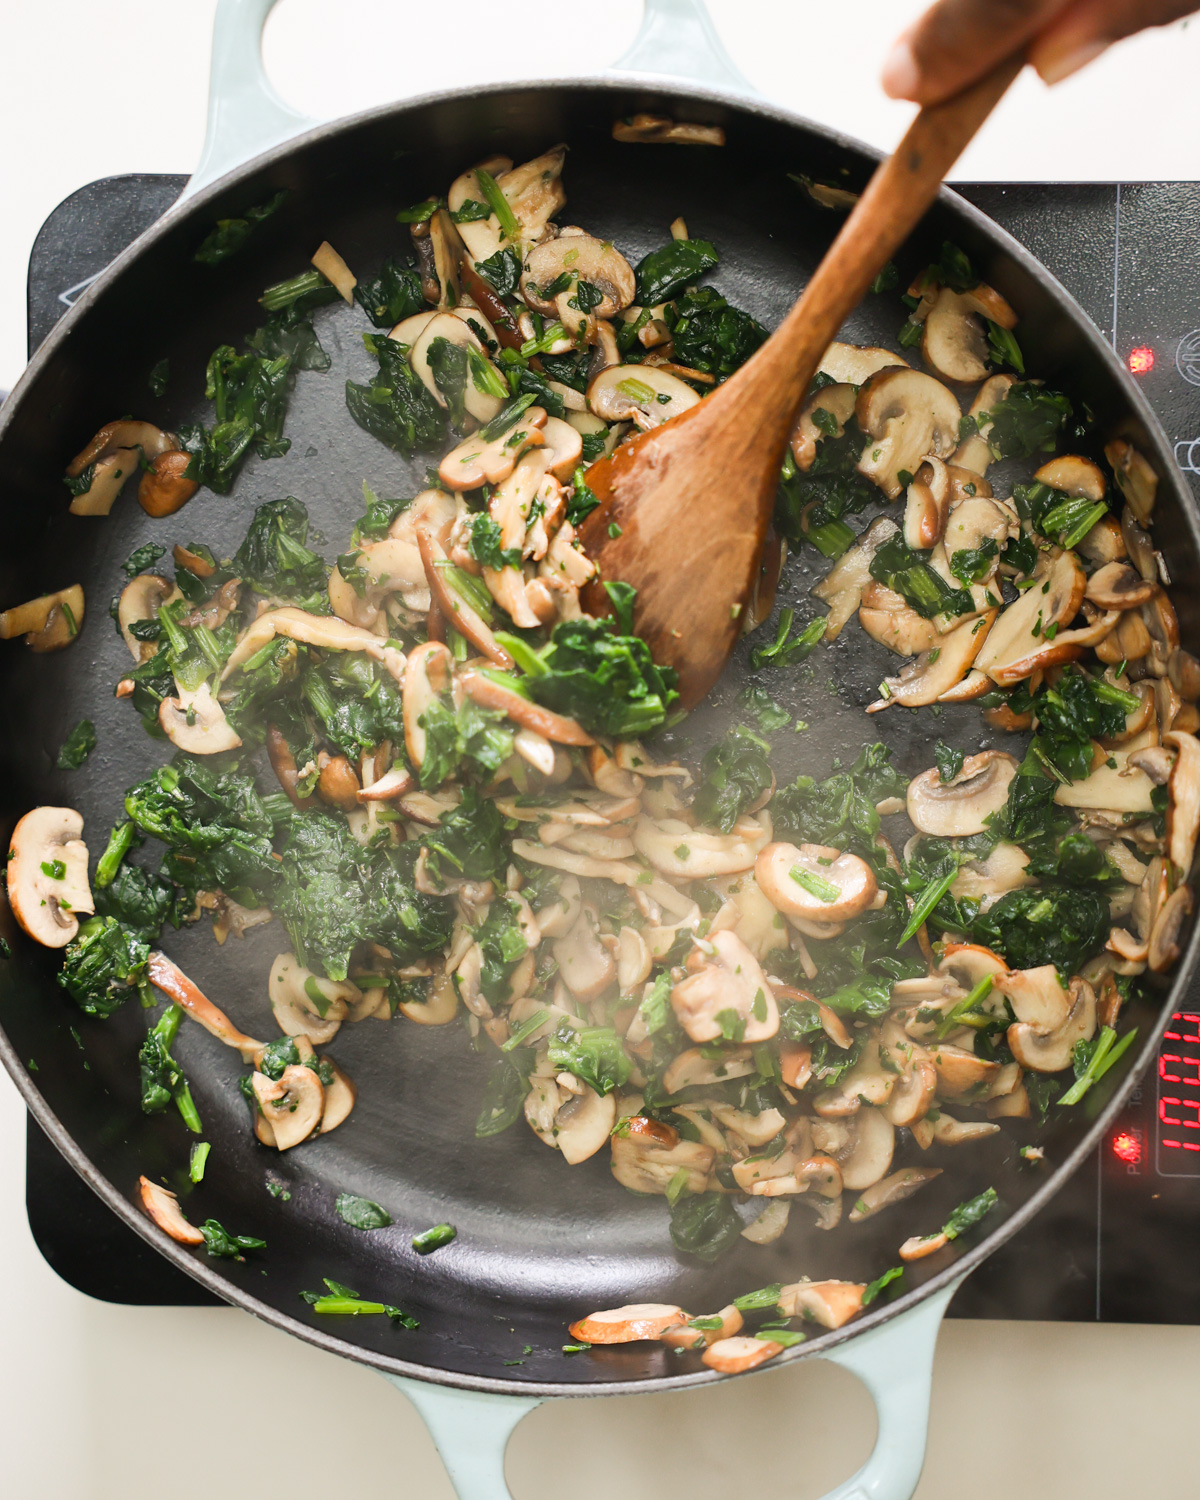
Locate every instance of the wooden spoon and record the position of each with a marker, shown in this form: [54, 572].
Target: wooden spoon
[684, 508]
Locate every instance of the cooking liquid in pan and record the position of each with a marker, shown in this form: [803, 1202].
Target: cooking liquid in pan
[1115, 1216]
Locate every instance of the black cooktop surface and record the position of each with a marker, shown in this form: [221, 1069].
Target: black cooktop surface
[1119, 1242]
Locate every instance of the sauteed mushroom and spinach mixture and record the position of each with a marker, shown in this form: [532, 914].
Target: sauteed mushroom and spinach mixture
[447, 785]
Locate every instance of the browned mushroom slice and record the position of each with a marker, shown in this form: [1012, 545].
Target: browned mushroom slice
[1162, 625]
[1183, 804]
[921, 1245]
[894, 1189]
[927, 506]
[937, 671]
[1135, 478]
[886, 618]
[1043, 1050]
[627, 1325]
[47, 875]
[684, 1336]
[843, 586]
[954, 341]
[1103, 543]
[962, 806]
[426, 679]
[661, 130]
[165, 487]
[48, 623]
[140, 600]
[489, 693]
[1026, 635]
[734, 1356]
[647, 1157]
[326, 631]
[1074, 476]
[851, 364]
[907, 416]
[962, 1075]
[1037, 996]
[477, 461]
[1166, 937]
[162, 1206]
[341, 1096]
[172, 981]
[578, 257]
[975, 452]
[836, 403]
[113, 456]
[822, 884]
[1118, 586]
[829, 1303]
[454, 604]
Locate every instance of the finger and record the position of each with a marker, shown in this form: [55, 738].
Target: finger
[958, 41]
[1089, 27]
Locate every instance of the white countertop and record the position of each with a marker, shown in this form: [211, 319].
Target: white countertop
[99, 1402]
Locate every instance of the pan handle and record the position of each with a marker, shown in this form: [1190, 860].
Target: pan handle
[246, 116]
[678, 39]
[471, 1431]
[894, 1362]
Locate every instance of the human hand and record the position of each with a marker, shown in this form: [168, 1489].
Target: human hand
[958, 41]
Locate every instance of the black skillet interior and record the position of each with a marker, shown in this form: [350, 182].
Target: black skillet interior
[538, 1244]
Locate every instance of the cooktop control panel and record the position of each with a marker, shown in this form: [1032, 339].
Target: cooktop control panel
[1119, 1242]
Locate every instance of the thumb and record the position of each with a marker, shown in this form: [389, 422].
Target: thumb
[958, 41]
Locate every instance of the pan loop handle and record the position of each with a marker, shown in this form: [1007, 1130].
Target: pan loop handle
[678, 39]
[245, 114]
[895, 1363]
[471, 1431]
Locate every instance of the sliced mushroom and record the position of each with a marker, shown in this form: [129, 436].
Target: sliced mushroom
[684, 1336]
[426, 679]
[872, 1141]
[962, 1075]
[165, 486]
[927, 506]
[481, 405]
[1103, 543]
[194, 721]
[1183, 801]
[1029, 636]
[162, 1206]
[829, 1303]
[47, 875]
[1074, 476]
[580, 257]
[646, 1160]
[48, 623]
[585, 964]
[954, 341]
[172, 981]
[662, 130]
[1118, 586]
[843, 586]
[728, 993]
[836, 403]
[1136, 480]
[692, 1069]
[627, 1325]
[976, 453]
[962, 806]
[682, 852]
[983, 880]
[341, 1095]
[907, 417]
[850, 364]
[812, 881]
[1049, 1051]
[324, 631]
[921, 1245]
[291, 1106]
[489, 693]
[140, 600]
[938, 671]
[115, 453]
[1165, 938]
[1037, 996]
[338, 784]
[335, 270]
[576, 1123]
[894, 1189]
[477, 461]
[643, 394]
[1119, 788]
[304, 1004]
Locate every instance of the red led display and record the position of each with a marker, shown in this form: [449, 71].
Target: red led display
[1127, 1148]
[1178, 1125]
[1141, 360]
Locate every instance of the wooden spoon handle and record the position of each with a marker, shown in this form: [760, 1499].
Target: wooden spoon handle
[890, 207]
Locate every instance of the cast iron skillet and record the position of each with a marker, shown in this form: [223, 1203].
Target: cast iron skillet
[538, 1244]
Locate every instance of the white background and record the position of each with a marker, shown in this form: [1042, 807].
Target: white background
[100, 1402]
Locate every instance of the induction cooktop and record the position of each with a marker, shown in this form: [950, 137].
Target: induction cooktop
[1120, 1241]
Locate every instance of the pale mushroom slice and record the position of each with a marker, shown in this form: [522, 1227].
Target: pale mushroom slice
[853, 364]
[727, 997]
[954, 342]
[587, 967]
[975, 452]
[576, 1121]
[325, 631]
[1043, 1049]
[961, 1074]
[194, 721]
[962, 806]
[692, 1069]
[1183, 801]
[49, 622]
[480, 404]
[937, 672]
[908, 417]
[844, 585]
[304, 1003]
[140, 600]
[47, 875]
[173, 982]
[1075, 476]
[835, 403]
[895, 1189]
[644, 128]
[971, 523]
[163, 1208]
[647, 1157]
[815, 882]
[629, 1324]
[1029, 635]
[1136, 479]
[927, 506]
[1119, 788]
[643, 394]
[983, 880]
[681, 852]
[113, 456]
[578, 257]
[291, 1106]
[482, 459]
